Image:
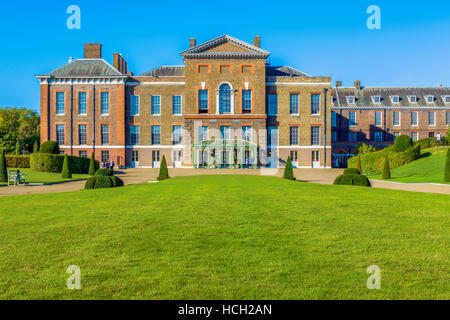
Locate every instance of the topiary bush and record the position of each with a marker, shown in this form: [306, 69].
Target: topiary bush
[358, 163]
[352, 180]
[50, 147]
[163, 172]
[351, 171]
[104, 173]
[66, 172]
[288, 171]
[13, 161]
[447, 167]
[35, 147]
[360, 180]
[3, 171]
[402, 143]
[90, 183]
[116, 181]
[46, 162]
[102, 182]
[386, 174]
[92, 165]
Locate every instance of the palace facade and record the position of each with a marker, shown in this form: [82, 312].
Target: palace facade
[225, 107]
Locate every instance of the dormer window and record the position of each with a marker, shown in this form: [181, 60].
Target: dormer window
[351, 99]
[412, 99]
[446, 99]
[376, 99]
[430, 99]
[395, 99]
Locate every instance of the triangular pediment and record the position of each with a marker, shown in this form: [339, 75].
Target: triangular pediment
[225, 47]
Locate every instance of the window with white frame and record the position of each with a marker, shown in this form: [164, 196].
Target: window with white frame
[224, 98]
[176, 135]
[247, 101]
[60, 103]
[315, 136]
[396, 118]
[378, 136]
[104, 128]
[156, 105]
[105, 155]
[412, 99]
[315, 104]
[333, 119]
[293, 136]
[203, 101]
[378, 118]
[294, 104]
[352, 136]
[134, 134]
[395, 99]
[203, 133]
[351, 99]
[447, 99]
[82, 103]
[82, 134]
[272, 101]
[60, 134]
[352, 119]
[447, 118]
[376, 99]
[225, 132]
[414, 136]
[247, 133]
[431, 118]
[104, 103]
[82, 154]
[134, 105]
[156, 135]
[430, 99]
[414, 118]
[177, 105]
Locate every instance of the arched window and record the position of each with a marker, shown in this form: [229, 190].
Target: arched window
[225, 98]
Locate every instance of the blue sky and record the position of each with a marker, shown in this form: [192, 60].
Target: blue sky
[320, 38]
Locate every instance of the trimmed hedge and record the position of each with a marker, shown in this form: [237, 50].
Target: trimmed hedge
[45, 162]
[103, 182]
[373, 163]
[352, 180]
[104, 173]
[90, 184]
[351, 171]
[402, 143]
[447, 167]
[432, 142]
[117, 182]
[13, 161]
[50, 147]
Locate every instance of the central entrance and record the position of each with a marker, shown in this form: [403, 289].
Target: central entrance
[225, 153]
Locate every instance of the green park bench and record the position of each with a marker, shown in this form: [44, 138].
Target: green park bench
[16, 178]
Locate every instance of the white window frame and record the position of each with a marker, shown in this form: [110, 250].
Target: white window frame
[351, 99]
[381, 119]
[398, 98]
[447, 118]
[417, 136]
[320, 138]
[399, 119]
[101, 103]
[417, 118]
[427, 97]
[320, 105]
[434, 118]
[374, 99]
[181, 105]
[138, 105]
[356, 123]
[86, 95]
[298, 136]
[151, 106]
[56, 103]
[410, 99]
[445, 99]
[298, 104]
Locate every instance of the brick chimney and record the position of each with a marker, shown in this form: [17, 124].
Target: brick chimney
[338, 84]
[192, 42]
[257, 41]
[92, 51]
[120, 64]
[357, 85]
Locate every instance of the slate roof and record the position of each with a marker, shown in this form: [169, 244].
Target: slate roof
[364, 97]
[86, 68]
[284, 71]
[199, 50]
[166, 71]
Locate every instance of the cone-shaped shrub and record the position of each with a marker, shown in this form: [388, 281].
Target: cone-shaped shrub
[66, 172]
[358, 163]
[35, 147]
[447, 167]
[92, 165]
[3, 172]
[288, 172]
[163, 172]
[386, 170]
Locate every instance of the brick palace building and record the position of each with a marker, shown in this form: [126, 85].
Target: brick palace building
[225, 107]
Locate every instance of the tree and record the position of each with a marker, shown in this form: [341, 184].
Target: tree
[358, 163]
[18, 151]
[66, 172]
[447, 167]
[50, 147]
[364, 148]
[288, 172]
[3, 172]
[386, 170]
[35, 147]
[163, 172]
[92, 165]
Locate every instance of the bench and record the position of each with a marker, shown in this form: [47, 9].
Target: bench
[16, 178]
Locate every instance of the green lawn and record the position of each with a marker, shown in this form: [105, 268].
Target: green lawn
[428, 169]
[47, 177]
[226, 237]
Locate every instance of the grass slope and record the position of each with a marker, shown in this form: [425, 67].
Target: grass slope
[47, 177]
[225, 237]
[428, 169]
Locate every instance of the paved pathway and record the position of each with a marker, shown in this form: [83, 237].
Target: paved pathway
[134, 176]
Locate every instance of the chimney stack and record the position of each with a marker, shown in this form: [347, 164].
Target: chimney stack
[192, 42]
[92, 51]
[357, 85]
[257, 41]
[338, 84]
[120, 64]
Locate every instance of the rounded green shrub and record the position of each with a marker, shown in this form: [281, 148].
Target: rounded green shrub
[351, 171]
[117, 182]
[50, 147]
[338, 180]
[347, 180]
[104, 173]
[352, 180]
[360, 180]
[90, 184]
[402, 143]
[102, 182]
